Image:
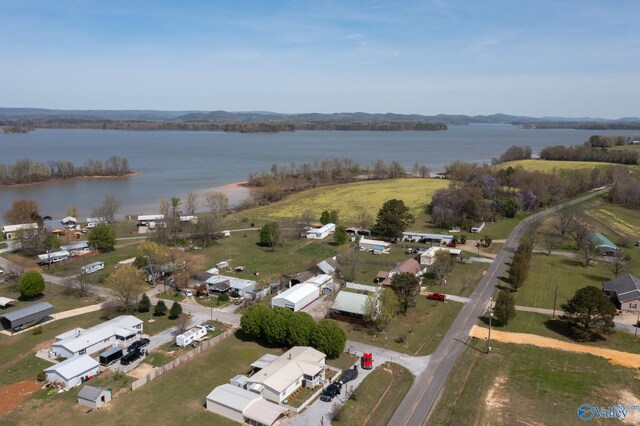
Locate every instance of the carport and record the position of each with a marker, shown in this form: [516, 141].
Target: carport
[25, 317]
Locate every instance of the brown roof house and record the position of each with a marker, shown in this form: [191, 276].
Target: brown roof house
[410, 266]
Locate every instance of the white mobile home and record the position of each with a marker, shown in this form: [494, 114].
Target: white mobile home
[428, 257]
[92, 267]
[477, 228]
[11, 232]
[147, 219]
[54, 257]
[372, 245]
[426, 237]
[320, 233]
[297, 297]
[73, 371]
[190, 335]
[120, 331]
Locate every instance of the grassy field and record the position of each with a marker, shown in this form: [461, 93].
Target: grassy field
[548, 166]
[543, 325]
[378, 396]
[461, 281]
[351, 198]
[175, 398]
[512, 386]
[547, 272]
[53, 294]
[417, 333]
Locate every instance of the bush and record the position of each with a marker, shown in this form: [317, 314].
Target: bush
[402, 337]
[41, 377]
[31, 284]
[224, 297]
[36, 330]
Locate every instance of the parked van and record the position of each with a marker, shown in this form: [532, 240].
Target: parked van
[92, 267]
[131, 357]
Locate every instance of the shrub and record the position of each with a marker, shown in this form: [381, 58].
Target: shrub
[31, 284]
[175, 311]
[145, 304]
[224, 297]
[41, 377]
[401, 338]
[37, 330]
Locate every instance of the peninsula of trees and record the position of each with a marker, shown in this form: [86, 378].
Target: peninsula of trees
[27, 171]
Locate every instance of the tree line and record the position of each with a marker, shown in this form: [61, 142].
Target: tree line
[27, 171]
[587, 153]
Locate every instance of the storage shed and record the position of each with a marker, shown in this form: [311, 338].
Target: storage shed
[93, 397]
[73, 371]
[242, 406]
[26, 317]
[297, 297]
[320, 233]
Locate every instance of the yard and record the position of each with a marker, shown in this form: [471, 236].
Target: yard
[417, 333]
[513, 386]
[53, 294]
[547, 272]
[378, 396]
[548, 166]
[175, 398]
[461, 281]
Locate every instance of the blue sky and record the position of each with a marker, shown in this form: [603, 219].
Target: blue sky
[562, 58]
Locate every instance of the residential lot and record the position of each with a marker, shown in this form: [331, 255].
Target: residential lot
[520, 384]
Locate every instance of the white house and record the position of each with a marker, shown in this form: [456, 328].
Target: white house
[69, 221]
[429, 256]
[372, 245]
[11, 232]
[320, 233]
[245, 288]
[73, 371]
[477, 228]
[297, 297]
[426, 237]
[243, 406]
[190, 335]
[53, 257]
[299, 366]
[120, 331]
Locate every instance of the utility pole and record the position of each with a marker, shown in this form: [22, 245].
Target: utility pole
[490, 324]
[555, 299]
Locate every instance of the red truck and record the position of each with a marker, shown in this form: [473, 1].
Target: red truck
[367, 361]
[436, 296]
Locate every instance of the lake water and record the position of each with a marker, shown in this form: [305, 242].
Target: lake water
[173, 163]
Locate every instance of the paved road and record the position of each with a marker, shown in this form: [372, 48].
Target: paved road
[423, 395]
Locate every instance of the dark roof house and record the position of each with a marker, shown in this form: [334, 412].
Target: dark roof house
[625, 289]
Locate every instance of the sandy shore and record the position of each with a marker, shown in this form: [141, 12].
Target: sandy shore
[19, 185]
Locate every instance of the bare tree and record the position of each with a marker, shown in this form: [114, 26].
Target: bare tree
[441, 266]
[183, 322]
[71, 210]
[618, 263]
[218, 204]
[564, 220]
[364, 219]
[550, 244]
[206, 229]
[587, 251]
[191, 203]
[307, 218]
[108, 209]
[79, 286]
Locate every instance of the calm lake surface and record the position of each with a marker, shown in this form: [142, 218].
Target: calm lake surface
[173, 163]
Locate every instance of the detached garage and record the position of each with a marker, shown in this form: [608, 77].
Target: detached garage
[297, 297]
[243, 406]
[73, 371]
[26, 317]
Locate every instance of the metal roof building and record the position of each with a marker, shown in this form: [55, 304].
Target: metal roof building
[297, 297]
[602, 243]
[349, 303]
[75, 246]
[73, 371]
[93, 397]
[243, 406]
[31, 315]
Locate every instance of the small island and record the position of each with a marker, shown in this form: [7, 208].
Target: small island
[18, 129]
[26, 172]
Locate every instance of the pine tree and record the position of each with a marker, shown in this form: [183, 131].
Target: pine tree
[144, 305]
[175, 311]
[160, 309]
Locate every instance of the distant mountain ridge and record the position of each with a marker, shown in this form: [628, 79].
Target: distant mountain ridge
[266, 116]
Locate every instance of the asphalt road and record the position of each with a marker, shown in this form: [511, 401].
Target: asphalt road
[421, 399]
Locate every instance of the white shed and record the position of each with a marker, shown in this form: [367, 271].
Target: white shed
[320, 233]
[297, 297]
[93, 397]
[73, 371]
[242, 406]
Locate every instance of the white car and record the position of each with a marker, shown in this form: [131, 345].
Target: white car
[188, 293]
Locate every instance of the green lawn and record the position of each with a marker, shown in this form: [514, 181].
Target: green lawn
[421, 329]
[155, 324]
[378, 396]
[543, 325]
[461, 281]
[53, 294]
[343, 362]
[548, 166]
[547, 272]
[175, 398]
[522, 384]
[351, 198]
[172, 296]
[499, 230]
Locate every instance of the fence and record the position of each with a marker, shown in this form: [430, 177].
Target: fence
[159, 371]
[362, 287]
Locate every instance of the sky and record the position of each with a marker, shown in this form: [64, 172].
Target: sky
[536, 58]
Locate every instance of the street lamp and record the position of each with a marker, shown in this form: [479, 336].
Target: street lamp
[490, 323]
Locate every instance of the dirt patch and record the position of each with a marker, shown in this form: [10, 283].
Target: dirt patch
[12, 395]
[495, 398]
[627, 398]
[141, 370]
[624, 359]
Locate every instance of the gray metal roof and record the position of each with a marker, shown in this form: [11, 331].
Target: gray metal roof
[90, 393]
[43, 309]
[626, 287]
[353, 303]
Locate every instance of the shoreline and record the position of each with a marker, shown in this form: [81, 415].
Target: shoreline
[21, 185]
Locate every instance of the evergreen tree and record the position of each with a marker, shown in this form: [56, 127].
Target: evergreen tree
[145, 303]
[160, 309]
[175, 311]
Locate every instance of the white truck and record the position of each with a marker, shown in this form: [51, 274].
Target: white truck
[189, 336]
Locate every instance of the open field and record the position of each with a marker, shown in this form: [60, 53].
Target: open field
[513, 386]
[175, 398]
[421, 329]
[547, 272]
[543, 325]
[378, 396]
[461, 281]
[548, 166]
[351, 198]
[53, 294]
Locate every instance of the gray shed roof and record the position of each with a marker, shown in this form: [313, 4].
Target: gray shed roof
[90, 393]
[32, 313]
[626, 287]
[353, 303]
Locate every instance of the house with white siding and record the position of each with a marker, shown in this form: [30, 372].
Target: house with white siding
[73, 371]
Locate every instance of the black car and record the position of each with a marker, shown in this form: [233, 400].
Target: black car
[130, 357]
[331, 392]
[138, 344]
[348, 375]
